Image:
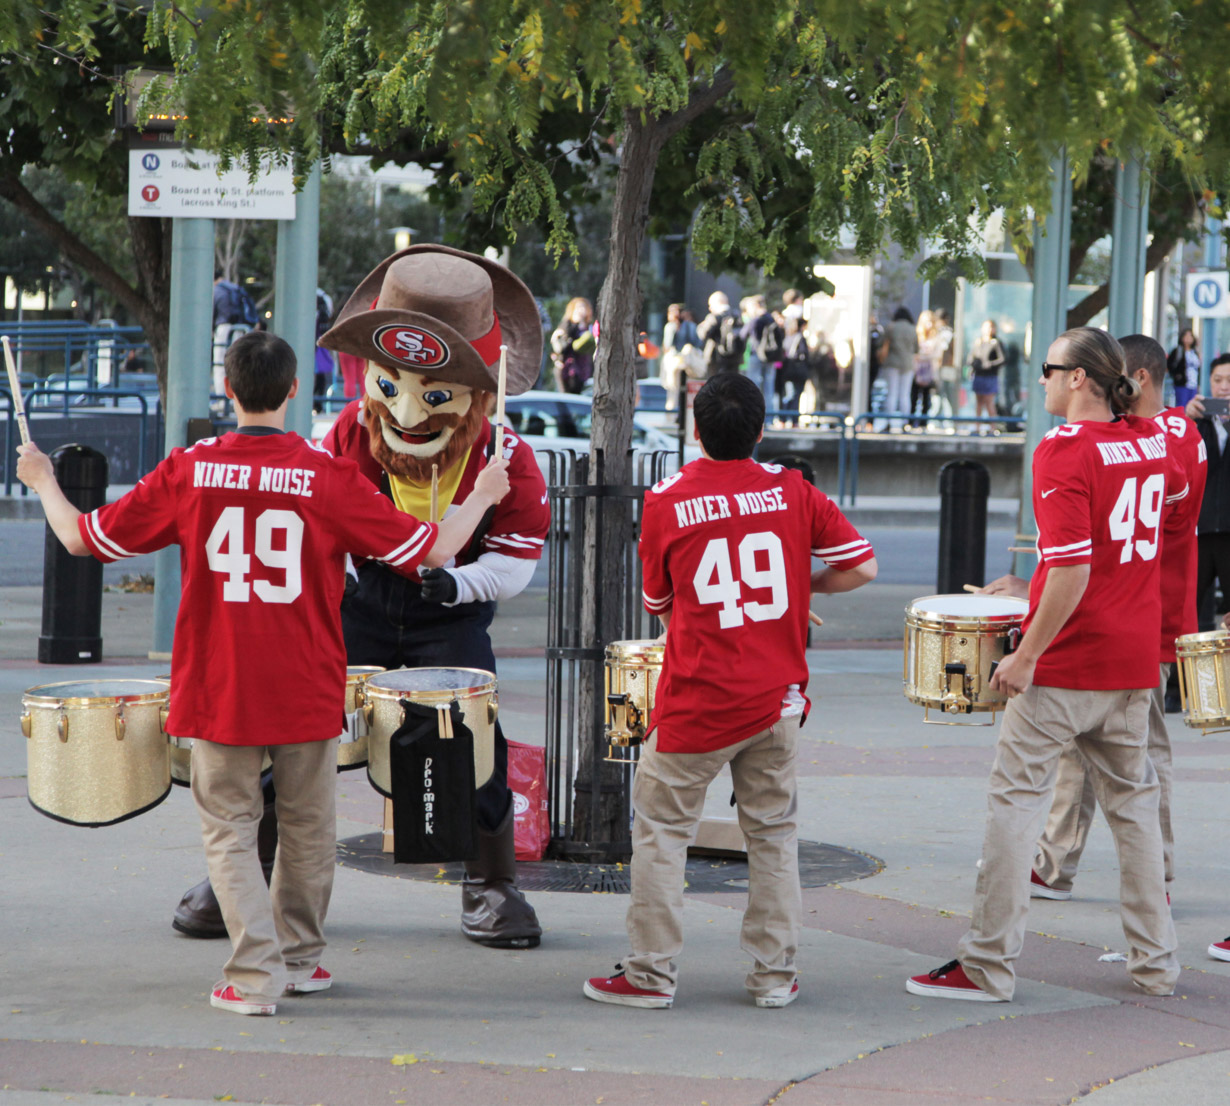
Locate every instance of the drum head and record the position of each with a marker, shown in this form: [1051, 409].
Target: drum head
[407, 681]
[970, 606]
[636, 651]
[83, 692]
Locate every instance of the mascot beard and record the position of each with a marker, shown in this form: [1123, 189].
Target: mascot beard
[457, 433]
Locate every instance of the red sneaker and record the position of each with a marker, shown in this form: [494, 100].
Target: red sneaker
[1220, 950]
[319, 980]
[225, 997]
[948, 981]
[616, 989]
[1040, 889]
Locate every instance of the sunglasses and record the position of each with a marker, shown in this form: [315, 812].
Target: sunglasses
[1048, 368]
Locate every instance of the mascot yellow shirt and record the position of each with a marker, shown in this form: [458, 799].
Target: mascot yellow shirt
[415, 499]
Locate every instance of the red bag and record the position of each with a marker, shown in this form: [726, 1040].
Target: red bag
[527, 779]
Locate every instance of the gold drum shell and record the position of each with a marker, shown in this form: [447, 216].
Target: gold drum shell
[1204, 679]
[96, 752]
[633, 668]
[472, 689]
[947, 629]
[353, 754]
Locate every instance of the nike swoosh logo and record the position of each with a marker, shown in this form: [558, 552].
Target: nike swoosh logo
[1046, 493]
[544, 497]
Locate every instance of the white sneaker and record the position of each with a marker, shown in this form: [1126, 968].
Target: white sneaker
[779, 996]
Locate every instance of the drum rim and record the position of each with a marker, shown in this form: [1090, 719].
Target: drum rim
[31, 698]
[623, 651]
[356, 672]
[1202, 641]
[940, 616]
[489, 685]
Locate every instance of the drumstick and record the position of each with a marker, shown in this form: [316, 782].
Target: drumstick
[814, 618]
[972, 587]
[1022, 549]
[434, 513]
[18, 406]
[499, 402]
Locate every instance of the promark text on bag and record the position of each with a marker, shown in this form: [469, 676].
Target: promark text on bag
[429, 799]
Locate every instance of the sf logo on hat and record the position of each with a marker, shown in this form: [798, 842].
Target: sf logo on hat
[411, 345]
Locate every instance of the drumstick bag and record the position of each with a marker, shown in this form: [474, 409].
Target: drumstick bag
[435, 804]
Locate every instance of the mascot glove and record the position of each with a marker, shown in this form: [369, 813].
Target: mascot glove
[439, 585]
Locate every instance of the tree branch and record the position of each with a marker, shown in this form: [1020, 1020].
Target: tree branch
[1080, 313]
[701, 100]
[72, 247]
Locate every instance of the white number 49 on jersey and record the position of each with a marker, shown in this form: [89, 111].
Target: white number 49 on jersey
[715, 580]
[1129, 508]
[236, 562]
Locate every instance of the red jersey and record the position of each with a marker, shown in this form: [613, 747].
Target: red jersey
[1100, 489]
[519, 525]
[726, 548]
[263, 522]
[1179, 530]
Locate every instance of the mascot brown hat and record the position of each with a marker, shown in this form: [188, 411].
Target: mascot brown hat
[443, 313]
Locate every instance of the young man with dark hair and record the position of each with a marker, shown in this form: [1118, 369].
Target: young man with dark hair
[264, 521]
[726, 546]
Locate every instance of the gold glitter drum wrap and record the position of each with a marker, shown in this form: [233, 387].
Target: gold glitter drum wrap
[1204, 680]
[951, 642]
[352, 749]
[632, 672]
[472, 689]
[96, 750]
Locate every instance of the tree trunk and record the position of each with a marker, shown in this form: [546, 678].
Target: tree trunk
[1080, 313]
[608, 526]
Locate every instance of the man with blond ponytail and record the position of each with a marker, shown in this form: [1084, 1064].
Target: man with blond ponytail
[1084, 671]
[1067, 828]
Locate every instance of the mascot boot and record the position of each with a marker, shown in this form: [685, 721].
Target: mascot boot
[198, 913]
[493, 910]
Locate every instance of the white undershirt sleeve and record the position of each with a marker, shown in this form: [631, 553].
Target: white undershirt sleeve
[492, 576]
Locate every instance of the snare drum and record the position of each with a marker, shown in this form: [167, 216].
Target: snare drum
[1204, 679]
[951, 644]
[632, 672]
[96, 749]
[472, 689]
[352, 749]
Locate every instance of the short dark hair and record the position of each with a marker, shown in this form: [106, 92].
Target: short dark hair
[260, 368]
[903, 313]
[1220, 359]
[729, 412]
[1142, 352]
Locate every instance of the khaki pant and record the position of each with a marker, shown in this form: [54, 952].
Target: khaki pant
[1109, 728]
[1067, 829]
[276, 931]
[668, 796]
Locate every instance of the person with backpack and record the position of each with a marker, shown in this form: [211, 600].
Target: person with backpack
[770, 344]
[721, 333]
[796, 360]
[234, 315]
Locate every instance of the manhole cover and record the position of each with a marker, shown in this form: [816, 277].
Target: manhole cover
[818, 865]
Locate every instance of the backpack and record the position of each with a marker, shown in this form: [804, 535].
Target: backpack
[731, 343]
[769, 348]
[236, 306]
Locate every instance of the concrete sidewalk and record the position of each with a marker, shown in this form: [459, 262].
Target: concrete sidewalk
[101, 996]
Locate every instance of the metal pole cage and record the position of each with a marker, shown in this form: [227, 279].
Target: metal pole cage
[571, 649]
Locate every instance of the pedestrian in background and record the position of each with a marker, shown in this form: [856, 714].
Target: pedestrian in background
[897, 365]
[572, 346]
[1183, 365]
[985, 361]
[948, 374]
[721, 332]
[926, 364]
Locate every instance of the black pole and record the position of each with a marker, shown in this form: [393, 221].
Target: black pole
[964, 487]
[72, 586]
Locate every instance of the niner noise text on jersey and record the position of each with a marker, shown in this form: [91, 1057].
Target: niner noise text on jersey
[708, 508]
[291, 481]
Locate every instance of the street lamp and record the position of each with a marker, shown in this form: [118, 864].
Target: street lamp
[401, 236]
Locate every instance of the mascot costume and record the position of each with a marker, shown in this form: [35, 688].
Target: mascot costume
[429, 321]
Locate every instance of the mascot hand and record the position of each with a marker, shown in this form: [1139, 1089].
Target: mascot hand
[439, 585]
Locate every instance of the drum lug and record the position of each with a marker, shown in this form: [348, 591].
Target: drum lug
[956, 701]
[121, 723]
[62, 724]
[625, 723]
[360, 696]
[493, 709]
[369, 709]
[163, 714]
[1013, 640]
[26, 724]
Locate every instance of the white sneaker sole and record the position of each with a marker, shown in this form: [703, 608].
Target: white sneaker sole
[776, 1002]
[308, 986]
[1219, 954]
[962, 994]
[643, 1002]
[1038, 892]
[259, 1008]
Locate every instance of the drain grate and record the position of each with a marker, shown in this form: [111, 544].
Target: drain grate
[819, 865]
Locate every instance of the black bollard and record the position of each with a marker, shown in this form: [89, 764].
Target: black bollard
[72, 586]
[964, 487]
